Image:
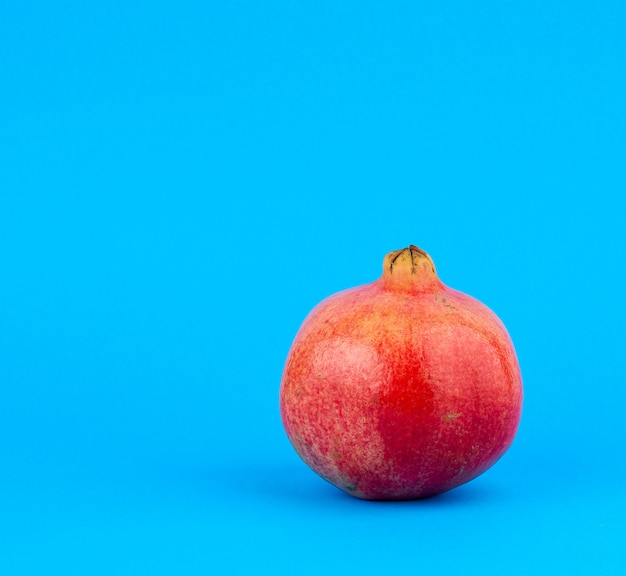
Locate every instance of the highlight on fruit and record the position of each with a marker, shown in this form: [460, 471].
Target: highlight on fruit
[402, 388]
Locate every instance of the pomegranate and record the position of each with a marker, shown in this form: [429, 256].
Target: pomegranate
[402, 388]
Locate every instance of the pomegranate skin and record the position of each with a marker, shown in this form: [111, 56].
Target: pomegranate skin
[402, 388]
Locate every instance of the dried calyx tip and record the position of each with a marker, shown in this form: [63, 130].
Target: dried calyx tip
[415, 255]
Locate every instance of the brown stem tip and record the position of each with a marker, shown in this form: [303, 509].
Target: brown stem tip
[411, 266]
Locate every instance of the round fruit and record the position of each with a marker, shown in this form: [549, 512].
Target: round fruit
[402, 388]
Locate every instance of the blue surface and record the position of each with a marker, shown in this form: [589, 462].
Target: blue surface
[180, 183]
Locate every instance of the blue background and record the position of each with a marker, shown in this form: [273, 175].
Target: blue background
[181, 182]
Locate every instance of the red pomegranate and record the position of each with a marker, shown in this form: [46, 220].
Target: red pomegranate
[402, 388]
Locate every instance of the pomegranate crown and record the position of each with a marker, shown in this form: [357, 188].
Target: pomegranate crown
[410, 269]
